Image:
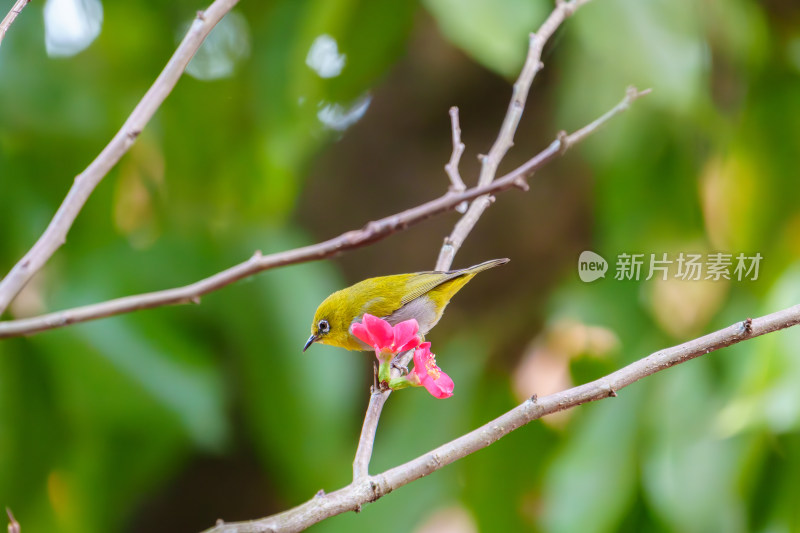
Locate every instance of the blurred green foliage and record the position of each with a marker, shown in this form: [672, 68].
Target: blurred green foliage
[167, 419]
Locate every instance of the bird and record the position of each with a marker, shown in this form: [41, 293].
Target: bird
[419, 295]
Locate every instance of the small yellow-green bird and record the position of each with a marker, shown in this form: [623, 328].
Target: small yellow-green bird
[421, 295]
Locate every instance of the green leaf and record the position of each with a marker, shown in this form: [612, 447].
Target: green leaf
[689, 472]
[595, 472]
[494, 32]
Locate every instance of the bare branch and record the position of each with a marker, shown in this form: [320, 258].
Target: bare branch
[13, 525]
[370, 233]
[505, 139]
[456, 183]
[16, 9]
[564, 142]
[56, 233]
[364, 452]
[353, 496]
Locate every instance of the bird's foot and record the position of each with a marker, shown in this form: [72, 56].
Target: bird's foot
[403, 369]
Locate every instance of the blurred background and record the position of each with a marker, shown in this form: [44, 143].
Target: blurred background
[298, 120]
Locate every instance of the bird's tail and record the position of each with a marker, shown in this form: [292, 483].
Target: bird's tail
[486, 265]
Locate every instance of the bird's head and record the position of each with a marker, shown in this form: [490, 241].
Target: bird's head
[331, 324]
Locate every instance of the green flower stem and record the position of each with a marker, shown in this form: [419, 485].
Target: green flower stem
[384, 372]
[403, 382]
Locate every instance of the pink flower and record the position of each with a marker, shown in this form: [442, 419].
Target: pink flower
[384, 338]
[430, 375]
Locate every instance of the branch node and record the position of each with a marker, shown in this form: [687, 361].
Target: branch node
[220, 522]
[521, 184]
[374, 488]
[435, 461]
[612, 393]
[320, 493]
[201, 15]
[563, 142]
[195, 300]
[631, 94]
[133, 134]
[351, 238]
[372, 227]
[567, 7]
[257, 255]
[747, 326]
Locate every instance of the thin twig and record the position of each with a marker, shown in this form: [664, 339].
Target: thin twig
[56, 233]
[367, 490]
[456, 183]
[505, 139]
[365, 443]
[370, 233]
[16, 9]
[13, 525]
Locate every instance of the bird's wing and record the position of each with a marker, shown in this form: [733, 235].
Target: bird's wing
[425, 282]
[422, 309]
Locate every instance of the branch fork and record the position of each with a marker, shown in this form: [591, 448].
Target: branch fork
[85, 183]
[456, 183]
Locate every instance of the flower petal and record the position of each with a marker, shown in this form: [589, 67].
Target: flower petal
[380, 331]
[429, 374]
[405, 335]
[442, 387]
[421, 356]
[361, 332]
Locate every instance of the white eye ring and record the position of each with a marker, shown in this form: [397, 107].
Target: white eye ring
[323, 326]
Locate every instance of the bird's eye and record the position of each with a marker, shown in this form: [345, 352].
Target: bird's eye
[323, 326]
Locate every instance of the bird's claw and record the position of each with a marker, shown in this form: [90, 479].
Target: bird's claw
[402, 368]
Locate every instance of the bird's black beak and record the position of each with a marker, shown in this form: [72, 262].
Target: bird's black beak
[310, 341]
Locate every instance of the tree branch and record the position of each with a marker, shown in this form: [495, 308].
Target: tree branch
[370, 233]
[353, 496]
[505, 139]
[56, 233]
[13, 525]
[16, 9]
[377, 399]
[456, 183]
